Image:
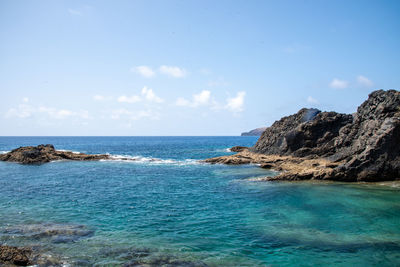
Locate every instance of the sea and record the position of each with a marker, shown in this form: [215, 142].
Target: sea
[167, 208]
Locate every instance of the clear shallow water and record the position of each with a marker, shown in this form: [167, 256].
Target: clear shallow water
[176, 207]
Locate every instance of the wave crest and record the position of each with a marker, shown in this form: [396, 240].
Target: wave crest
[150, 160]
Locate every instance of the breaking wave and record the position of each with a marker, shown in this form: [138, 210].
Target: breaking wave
[150, 160]
[65, 150]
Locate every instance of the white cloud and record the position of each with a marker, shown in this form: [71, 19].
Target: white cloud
[98, 97]
[364, 81]
[312, 100]
[25, 100]
[149, 95]
[63, 113]
[339, 84]
[22, 111]
[203, 98]
[129, 99]
[235, 104]
[145, 71]
[200, 99]
[173, 71]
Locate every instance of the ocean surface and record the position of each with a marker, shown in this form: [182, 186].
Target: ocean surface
[167, 208]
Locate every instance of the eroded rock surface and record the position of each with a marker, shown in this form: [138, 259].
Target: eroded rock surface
[364, 146]
[45, 153]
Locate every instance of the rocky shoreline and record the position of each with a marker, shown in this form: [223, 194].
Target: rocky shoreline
[289, 168]
[311, 144]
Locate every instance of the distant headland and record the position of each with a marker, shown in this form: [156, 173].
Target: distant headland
[254, 132]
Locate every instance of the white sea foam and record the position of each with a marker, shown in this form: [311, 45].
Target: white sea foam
[223, 150]
[150, 160]
[64, 150]
[3, 152]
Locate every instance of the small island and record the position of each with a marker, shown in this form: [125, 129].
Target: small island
[311, 144]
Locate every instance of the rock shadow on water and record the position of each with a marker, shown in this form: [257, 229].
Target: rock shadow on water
[149, 257]
[320, 244]
[55, 233]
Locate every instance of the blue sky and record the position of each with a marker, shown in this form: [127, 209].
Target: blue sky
[188, 67]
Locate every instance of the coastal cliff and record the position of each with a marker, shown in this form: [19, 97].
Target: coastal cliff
[364, 146]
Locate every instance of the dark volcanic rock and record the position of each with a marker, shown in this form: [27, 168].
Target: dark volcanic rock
[309, 132]
[367, 143]
[238, 148]
[15, 255]
[45, 153]
[370, 146]
[255, 132]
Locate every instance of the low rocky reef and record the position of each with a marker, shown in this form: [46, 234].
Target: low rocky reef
[46, 153]
[364, 146]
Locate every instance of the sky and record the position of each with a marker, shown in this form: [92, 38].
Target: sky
[136, 68]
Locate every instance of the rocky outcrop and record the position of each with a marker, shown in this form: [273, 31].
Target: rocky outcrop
[15, 255]
[364, 146]
[45, 153]
[238, 148]
[255, 132]
[309, 132]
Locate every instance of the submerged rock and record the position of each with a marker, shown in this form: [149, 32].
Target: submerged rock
[364, 146]
[46, 153]
[56, 233]
[15, 255]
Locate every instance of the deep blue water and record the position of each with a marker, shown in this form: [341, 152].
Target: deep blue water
[173, 207]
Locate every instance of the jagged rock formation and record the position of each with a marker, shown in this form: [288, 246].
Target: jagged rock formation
[309, 132]
[255, 132]
[364, 146]
[45, 153]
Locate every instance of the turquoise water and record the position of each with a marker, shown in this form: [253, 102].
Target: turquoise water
[167, 208]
